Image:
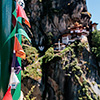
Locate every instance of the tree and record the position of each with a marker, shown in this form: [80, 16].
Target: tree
[96, 44]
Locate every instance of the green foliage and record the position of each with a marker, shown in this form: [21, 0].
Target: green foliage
[29, 93]
[74, 62]
[76, 72]
[73, 70]
[80, 98]
[78, 80]
[80, 45]
[32, 67]
[49, 54]
[65, 50]
[96, 37]
[77, 67]
[96, 43]
[31, 53]
[40, 0]
[50, 36]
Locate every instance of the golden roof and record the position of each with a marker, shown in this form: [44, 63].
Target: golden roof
[64, 35]
[86, 13]
[76, 25]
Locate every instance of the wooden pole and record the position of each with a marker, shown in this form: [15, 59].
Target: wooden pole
[5, 50]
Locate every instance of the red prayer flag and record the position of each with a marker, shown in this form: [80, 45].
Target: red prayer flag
[13, 20]
[21, 13]
[18, 49]
[8, 95]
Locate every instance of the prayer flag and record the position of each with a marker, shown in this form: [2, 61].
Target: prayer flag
[13, 79]
[14, 13]
[15, 64]
[21, 13]
[27, 23]
[22, 31]
[13, 20]
[8, 95]
[17, 67]
[21, 3]
[18, 49]
[11, 35]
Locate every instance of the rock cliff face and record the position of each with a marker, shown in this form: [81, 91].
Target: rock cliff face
[71, 74]
[50, 19]
[74, 76]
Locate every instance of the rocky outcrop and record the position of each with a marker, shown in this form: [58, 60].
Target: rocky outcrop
[50, 19]
[70, 74]
[74, 76]
[30, 88]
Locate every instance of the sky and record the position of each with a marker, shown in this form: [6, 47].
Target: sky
[93, 7]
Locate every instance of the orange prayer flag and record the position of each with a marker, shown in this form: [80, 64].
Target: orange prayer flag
[18, 49]
[8, 95]
[21, 13]
[27, 23]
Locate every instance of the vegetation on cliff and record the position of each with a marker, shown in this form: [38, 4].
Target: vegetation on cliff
[72, 64]
[96, 44]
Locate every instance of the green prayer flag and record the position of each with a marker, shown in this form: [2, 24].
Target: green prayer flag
[22, 32]
[11, 35]
[14, 13]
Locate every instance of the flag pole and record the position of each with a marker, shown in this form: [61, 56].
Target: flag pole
[5, 51]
